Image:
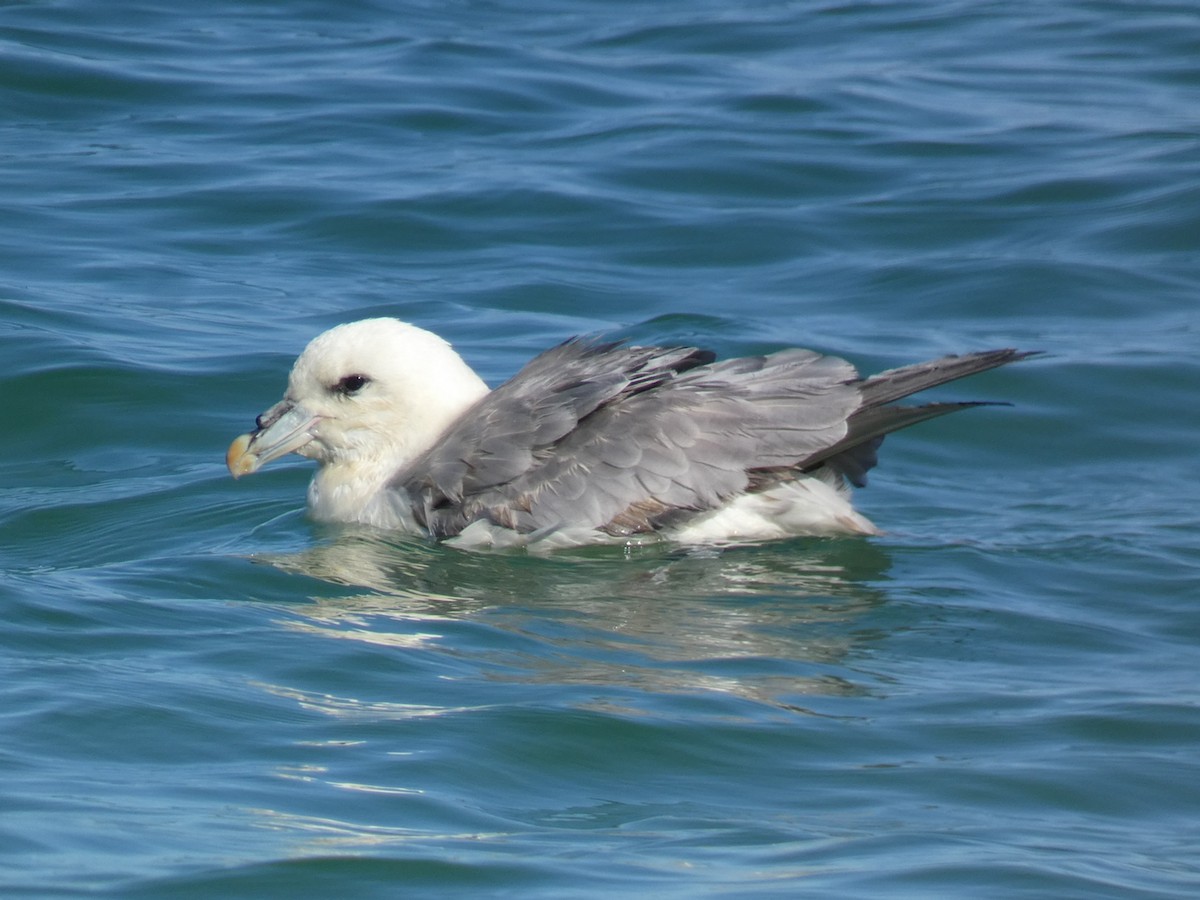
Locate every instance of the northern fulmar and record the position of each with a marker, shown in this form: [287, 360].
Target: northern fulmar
[591, 441]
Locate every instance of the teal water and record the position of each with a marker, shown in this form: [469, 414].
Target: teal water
[206, 695]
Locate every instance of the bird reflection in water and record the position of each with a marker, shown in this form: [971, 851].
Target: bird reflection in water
[770, 623]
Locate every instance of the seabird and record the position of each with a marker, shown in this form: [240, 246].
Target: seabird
[591, 441]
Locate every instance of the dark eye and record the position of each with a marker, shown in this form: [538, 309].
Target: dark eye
[351, 384]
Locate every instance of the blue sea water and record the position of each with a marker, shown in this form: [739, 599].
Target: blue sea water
[204, 694]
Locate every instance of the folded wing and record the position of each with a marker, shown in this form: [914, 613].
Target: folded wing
[631, 439]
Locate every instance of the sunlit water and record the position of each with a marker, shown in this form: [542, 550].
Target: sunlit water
[206, 695]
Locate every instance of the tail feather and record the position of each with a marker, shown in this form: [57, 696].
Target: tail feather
[855, 454]
[895, 384]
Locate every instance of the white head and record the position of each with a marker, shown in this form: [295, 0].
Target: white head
[363, 399]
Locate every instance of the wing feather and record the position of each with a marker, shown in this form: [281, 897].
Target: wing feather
[855, 454]
[627, 439]
[594, 434]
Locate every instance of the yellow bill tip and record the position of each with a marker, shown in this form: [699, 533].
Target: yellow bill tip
[240, 460]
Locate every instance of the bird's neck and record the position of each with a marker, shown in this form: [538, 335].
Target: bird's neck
[347, 491]
[354, 486]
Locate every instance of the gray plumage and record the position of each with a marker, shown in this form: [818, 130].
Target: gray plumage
[626, 440]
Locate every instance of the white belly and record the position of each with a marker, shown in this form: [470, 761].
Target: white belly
[807, 507]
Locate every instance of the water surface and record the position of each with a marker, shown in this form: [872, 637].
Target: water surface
[207, 695]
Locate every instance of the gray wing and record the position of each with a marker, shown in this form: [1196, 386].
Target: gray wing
[627, 439]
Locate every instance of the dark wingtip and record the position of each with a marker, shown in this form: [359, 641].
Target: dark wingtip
[1018, 355]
